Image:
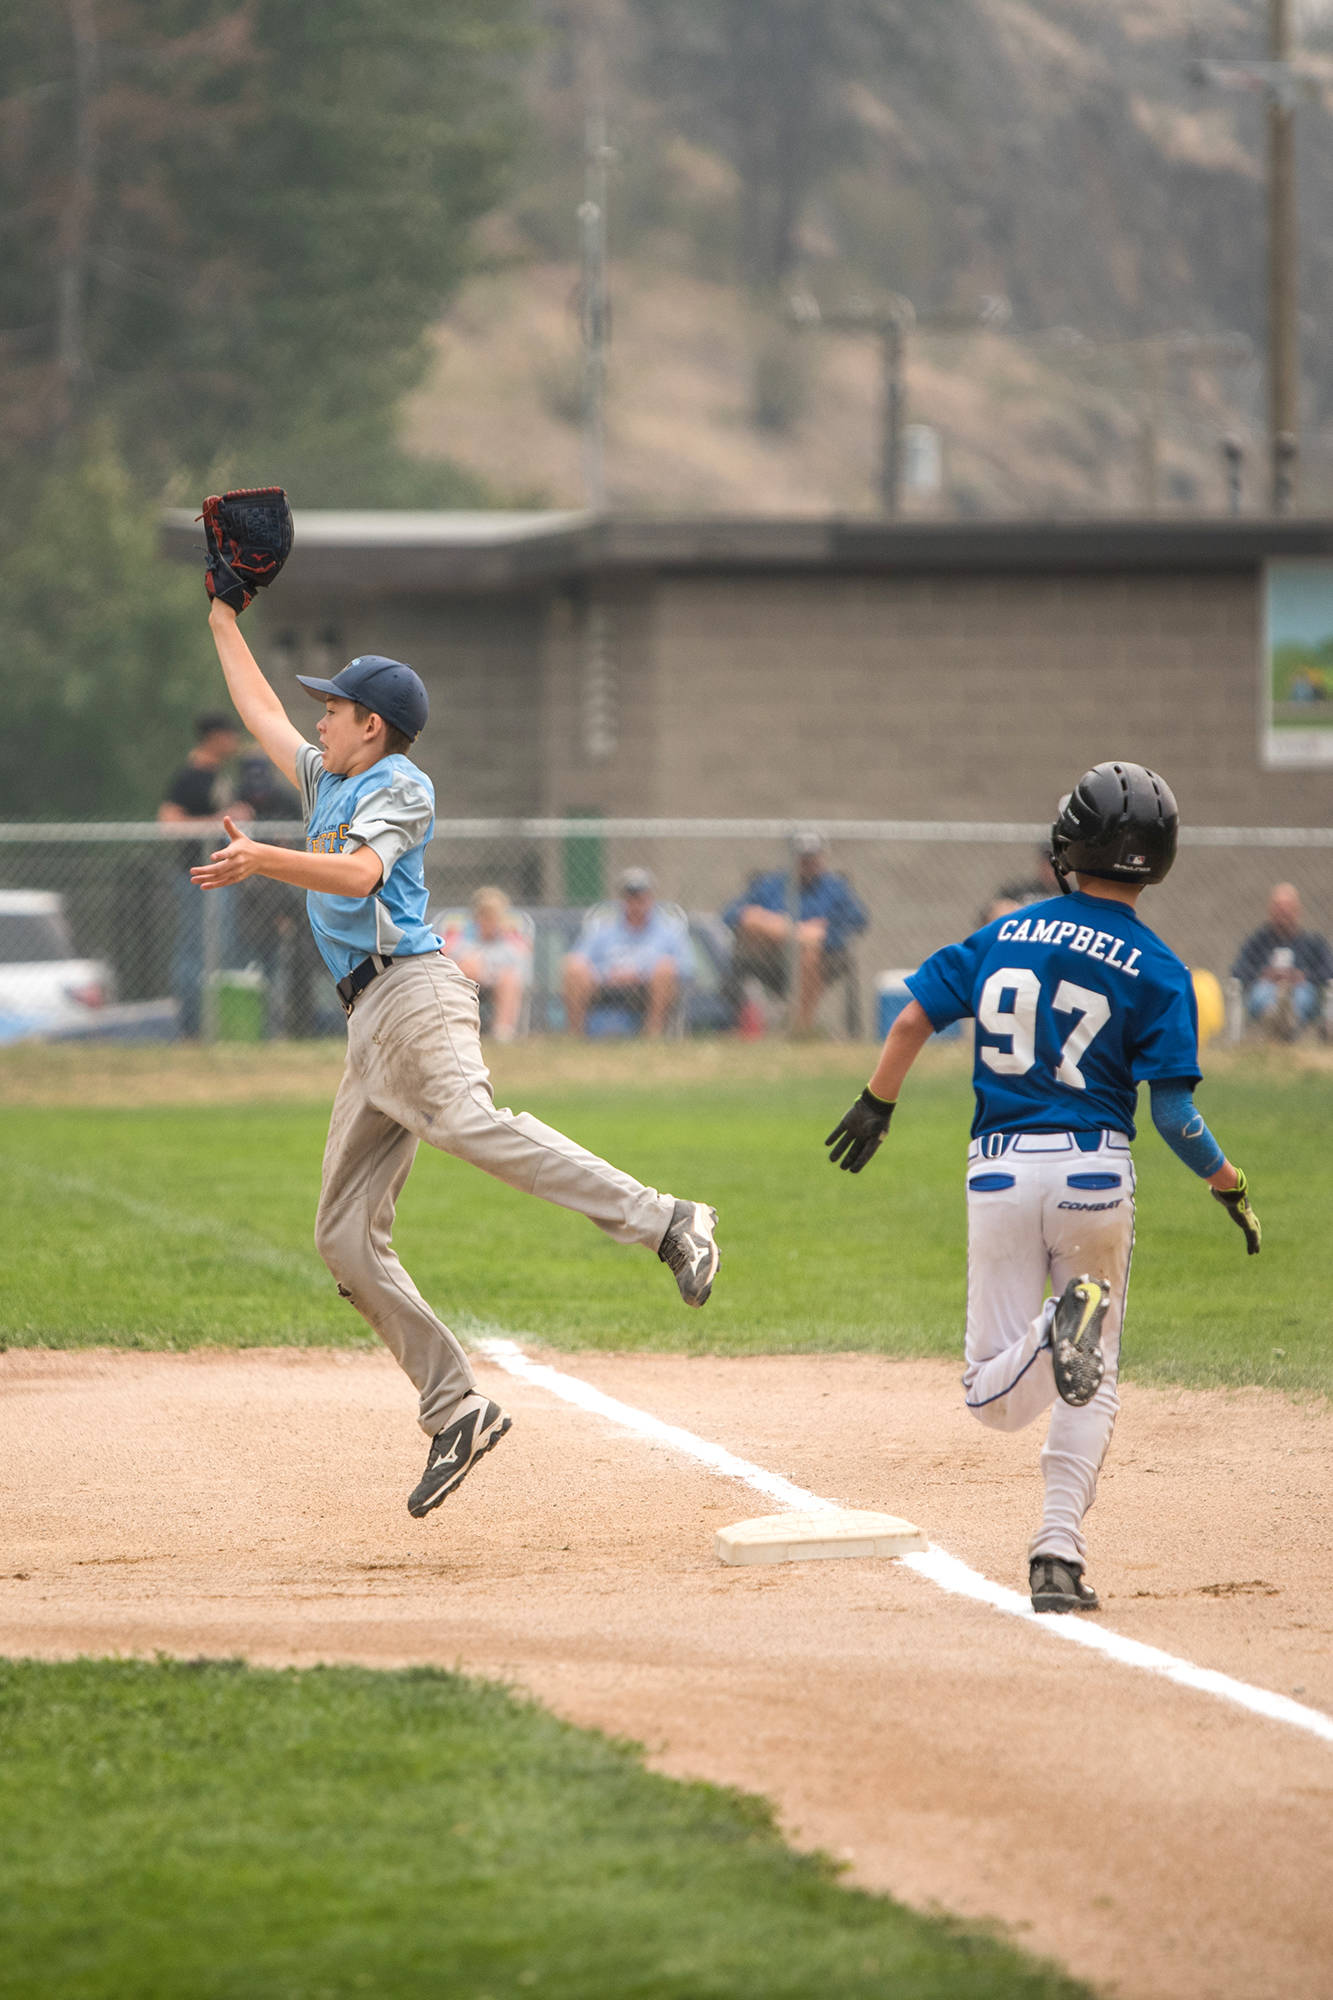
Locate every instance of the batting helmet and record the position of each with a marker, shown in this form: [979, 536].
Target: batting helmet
[1119, 822]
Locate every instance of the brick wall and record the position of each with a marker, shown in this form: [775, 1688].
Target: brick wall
[971, 698]
[828, 693]
[480, 657]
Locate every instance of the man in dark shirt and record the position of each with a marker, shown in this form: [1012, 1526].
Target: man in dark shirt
[197, 797]
[822, 911]
[199, 791]
[270, 929]
[1284, 969]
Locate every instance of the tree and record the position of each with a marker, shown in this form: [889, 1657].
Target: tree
[104, 649]
[229, 226]
[226, 226]
[767, 81]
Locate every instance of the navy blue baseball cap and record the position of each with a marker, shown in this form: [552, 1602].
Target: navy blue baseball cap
[385, 687]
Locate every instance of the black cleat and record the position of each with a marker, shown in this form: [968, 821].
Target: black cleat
[689, 1249]
[475, 1428]
[1057, 1585]
[1076, 1352]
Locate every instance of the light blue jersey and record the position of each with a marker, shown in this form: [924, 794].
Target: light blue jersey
[390, 808]
[616, 948]
[1076, 1003]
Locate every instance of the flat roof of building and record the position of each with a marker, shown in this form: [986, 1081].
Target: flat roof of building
[388, 550]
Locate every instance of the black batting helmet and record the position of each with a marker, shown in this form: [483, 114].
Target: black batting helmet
[1119, 822]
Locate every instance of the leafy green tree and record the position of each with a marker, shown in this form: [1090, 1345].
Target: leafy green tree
[104, 650]
[227, 230]
[229, 226]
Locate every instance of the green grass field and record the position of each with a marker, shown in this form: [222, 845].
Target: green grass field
[207, 1831]
[181, 1225]
[214, 1833]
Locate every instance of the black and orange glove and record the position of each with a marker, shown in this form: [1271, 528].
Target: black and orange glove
[249, 536]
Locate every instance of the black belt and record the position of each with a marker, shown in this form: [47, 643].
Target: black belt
[360, 977]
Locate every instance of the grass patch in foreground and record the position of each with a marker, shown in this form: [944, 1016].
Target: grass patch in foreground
[211, 1832]
[180, 1226]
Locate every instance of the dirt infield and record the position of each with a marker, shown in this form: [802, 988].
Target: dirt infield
[1156, 1841]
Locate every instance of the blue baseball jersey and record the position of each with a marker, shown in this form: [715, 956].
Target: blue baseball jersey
[1076, 1003]
[391, 808]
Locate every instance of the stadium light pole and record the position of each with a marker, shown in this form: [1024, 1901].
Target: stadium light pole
[593, 300]
[594, 306]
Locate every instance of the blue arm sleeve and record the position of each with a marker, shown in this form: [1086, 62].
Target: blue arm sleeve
[1182, 1127]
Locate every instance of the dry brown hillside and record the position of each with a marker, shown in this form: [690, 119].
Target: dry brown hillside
[1052, 151]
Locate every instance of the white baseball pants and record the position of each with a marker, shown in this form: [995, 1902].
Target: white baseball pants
[1040, 1209]
[415, 1071]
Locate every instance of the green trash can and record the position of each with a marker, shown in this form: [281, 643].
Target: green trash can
[241, 1004]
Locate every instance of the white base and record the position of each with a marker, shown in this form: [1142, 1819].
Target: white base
[776, 1538]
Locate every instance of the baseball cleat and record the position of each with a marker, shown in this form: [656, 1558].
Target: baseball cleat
[688, 1247]
[475, 1428]
[1076, 1352]
[1057, 1585]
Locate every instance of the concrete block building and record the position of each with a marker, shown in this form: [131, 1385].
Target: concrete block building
[814, 671]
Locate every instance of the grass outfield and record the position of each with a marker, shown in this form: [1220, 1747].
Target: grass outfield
[168, 1224]
[202, 1831]
[206, 1831]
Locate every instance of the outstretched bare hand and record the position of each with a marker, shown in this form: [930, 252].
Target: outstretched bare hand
[235, 863]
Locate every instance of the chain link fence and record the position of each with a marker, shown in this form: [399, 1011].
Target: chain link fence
[103, 934]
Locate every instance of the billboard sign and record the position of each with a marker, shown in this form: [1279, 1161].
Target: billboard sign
[1297, 706]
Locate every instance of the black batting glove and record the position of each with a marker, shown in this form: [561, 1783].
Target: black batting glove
[855, 1138]
[1236, 1202]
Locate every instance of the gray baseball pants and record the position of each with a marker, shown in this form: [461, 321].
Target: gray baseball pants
[415, 1071]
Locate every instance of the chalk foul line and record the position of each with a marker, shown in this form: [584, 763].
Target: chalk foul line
[937, 1566]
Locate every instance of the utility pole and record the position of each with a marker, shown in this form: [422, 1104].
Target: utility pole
[1233, 457]
[1282, 87]
[1152, 359]
[890, 319]
[1284, 368]
[76, 222]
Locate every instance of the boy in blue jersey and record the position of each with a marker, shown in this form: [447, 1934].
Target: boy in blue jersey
[1076, 1004]
[414, 1064]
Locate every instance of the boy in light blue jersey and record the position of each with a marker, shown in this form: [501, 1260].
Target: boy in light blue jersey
[414, 1064]
[1076, 1003]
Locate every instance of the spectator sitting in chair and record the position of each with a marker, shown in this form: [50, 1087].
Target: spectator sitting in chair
[491, 949]
[827, 914]
[1283, 969]
[636, 958]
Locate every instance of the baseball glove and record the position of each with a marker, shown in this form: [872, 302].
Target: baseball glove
[249, 536]
[1236, 1202]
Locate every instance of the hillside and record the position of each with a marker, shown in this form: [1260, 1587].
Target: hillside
[1052, 152]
